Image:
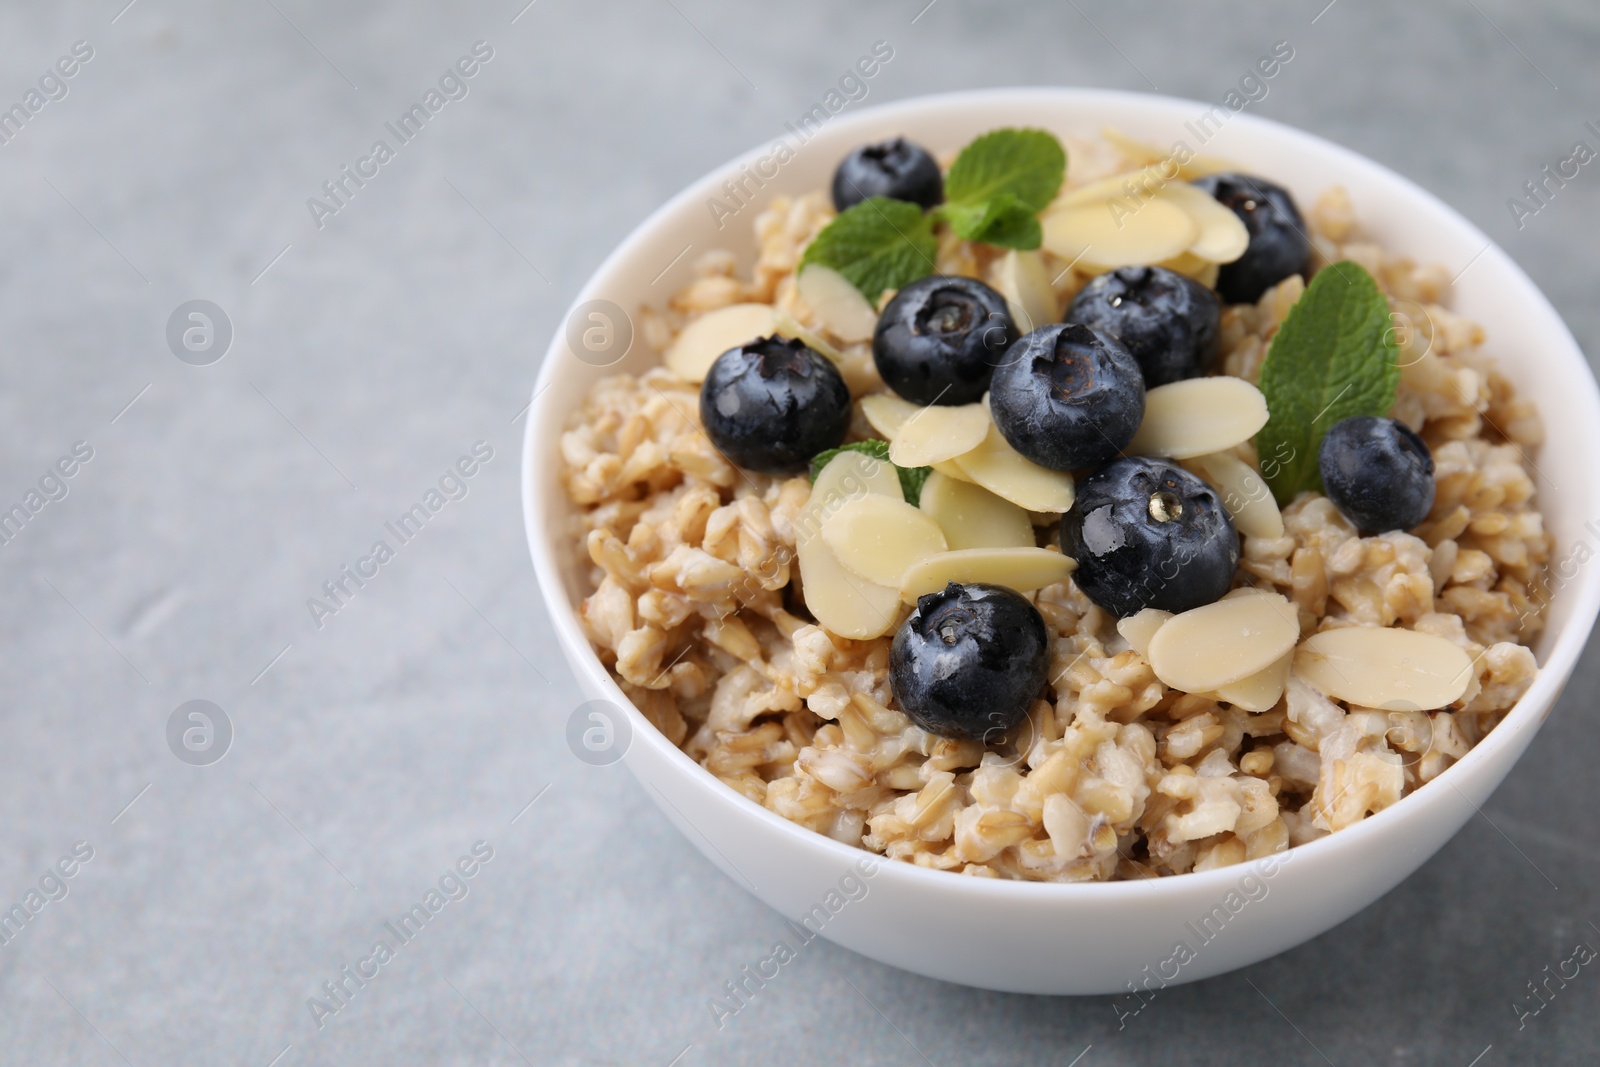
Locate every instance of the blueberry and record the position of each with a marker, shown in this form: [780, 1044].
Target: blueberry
[1148, 534]
[1378, 472]
[1278, 243]
[1067, 396]
[895, 168]
[1168, 322]
[772, 404]
[969, 661]
[940, 338]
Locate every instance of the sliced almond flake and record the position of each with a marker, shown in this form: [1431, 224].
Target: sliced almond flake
[1244, 493]
[1008, 474]
[1260, 691]
[788, 326]
[1022, 569]
[1022, 279]
[1137, 629]
[1385, 667]
[973, 517]
[843, 603]
[839, 306]
[848, 476]
[1206, 648]
[699, 344]
[886, 413]
[948, 468]
[878, 537]
[1222, 237]
[1119, 232]
[1143, 152]
[1129, 185]
[1198, 416]
[937, 433]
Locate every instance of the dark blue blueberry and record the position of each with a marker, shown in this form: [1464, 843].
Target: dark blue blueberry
[1278, 243]
[940, 338]
[1148, 534]
[1067, 396]
[772, 404]
[1378, 472]
[1168, 322]
[895, 168]
[969, 661]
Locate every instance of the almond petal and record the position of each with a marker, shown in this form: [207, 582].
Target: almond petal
[948, 468]
[843, 603]
[1022, 279]
[877, 537]
[887, 413]
[973, 517]
[1137, 629]
[1119, 232]
[1260, 691]
[936, 433]
[1131, 148]
[1008, 474]
[786, 325]
[1143, 152]
[838, 306]
[698, 344]
[1125, 185]
[1198, 416]
[1022, 569]
[1206, 648]
[1244, 493]
[1385, 667]
[1222, 237]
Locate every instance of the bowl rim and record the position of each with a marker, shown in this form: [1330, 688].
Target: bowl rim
[1524, 718]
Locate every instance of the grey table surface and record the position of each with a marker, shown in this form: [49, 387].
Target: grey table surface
[371, 752]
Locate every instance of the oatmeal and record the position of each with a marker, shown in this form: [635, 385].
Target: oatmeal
[1142, 747]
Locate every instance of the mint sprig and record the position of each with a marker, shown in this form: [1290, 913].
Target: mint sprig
[999, 183]
[1333, 358]
[1003, 221]
[877, 244]
[911, 478]
[994, 192]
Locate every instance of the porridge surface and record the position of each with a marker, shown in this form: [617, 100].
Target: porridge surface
[697, 611]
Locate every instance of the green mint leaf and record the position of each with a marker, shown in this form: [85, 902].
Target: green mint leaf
[1028, 164]
[871, 447]
[877, 244]
[911, 478]
[1003, 221]
[1333, 358]
[965, 219]
[911, 482]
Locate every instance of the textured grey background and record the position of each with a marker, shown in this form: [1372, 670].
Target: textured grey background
[430, 710]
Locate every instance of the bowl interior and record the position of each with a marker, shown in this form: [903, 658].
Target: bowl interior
[1524, 333]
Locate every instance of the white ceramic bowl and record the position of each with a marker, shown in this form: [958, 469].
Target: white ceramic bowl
[1092, 938]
